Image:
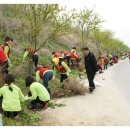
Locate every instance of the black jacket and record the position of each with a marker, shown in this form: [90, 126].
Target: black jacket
[90, 63]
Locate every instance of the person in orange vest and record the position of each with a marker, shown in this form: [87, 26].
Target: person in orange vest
[99, 63]
[45, 74]
[106, 62]
[60, 65]
[74, 56]
[3, 62]
[66, 56]
[56, 55]
[31, 53]
[129, 55]
[7, 47]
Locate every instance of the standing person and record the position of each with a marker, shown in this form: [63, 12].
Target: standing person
[91, 67]
[60, 65]
[7, 47]
[11, 97]
[46, 75]
[31, 53]
[38, 94]
[106, 62]
[74, 56]
[129, 56]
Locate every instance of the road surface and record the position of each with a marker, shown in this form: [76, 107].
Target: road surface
[121, 78]
[108, 105]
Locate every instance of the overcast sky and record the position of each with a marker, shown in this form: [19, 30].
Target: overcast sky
[116, 13]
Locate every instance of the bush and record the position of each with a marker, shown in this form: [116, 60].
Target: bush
[70, 87]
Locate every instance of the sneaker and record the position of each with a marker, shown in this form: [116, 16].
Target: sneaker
[32, 107]
[91, 90]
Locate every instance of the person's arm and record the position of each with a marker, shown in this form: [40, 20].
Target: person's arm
[54, 71]
[25, 55]
[6, 50]
[34, 95]
[94, 63]
[38, 76]
[21, 96]
[66, 67]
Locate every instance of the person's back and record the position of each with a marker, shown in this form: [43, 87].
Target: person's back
[39, 90]
[11, 99]
[3, 57]
[91, 63]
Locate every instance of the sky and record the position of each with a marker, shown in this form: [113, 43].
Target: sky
[115, 13]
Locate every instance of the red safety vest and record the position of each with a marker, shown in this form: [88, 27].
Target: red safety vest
[42, 71]
[65, 54]
[74, 56]
[31, 52]
[3, 57]
[99, 64]
[57, 55]
[3, 47]
[129, 54]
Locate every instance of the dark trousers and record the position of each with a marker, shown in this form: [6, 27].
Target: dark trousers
[35, 60]
[37, 101]
[63, 77]
[47, 76]
[4, 67]
[105, 66]
[91, 80]
[1, 99]
[68, 59]
[10, 114]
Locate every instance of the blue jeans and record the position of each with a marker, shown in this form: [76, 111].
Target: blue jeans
[47, 76]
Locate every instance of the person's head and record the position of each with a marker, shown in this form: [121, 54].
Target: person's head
[28, 81]
[62, 52]
[53, 53]
[74, 48]
[9, 39]
[9, 78]
[85, 50]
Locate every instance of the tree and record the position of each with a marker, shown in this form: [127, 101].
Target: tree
[87, 22]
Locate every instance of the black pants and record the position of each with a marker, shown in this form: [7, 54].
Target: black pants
[46, 78]
[68, 59]
[10, 114]
[105, 66]
[4, 67]
[35, 60]
[37, 101]
[63, 77]
[91, 80]
[1, 99]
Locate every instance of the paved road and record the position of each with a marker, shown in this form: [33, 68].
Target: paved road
[121, 78]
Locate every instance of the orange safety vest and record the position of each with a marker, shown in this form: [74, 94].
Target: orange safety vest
[42, 71]
[3, 57]
[3, 47]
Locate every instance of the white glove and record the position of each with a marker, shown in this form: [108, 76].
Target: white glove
[53, 78]
[26, 97]
[67, 73]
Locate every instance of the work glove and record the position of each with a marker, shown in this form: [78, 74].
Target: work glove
[53, 78]
[26, 97]
[67, 73]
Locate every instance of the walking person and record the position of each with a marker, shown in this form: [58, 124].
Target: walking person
[90, 66]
